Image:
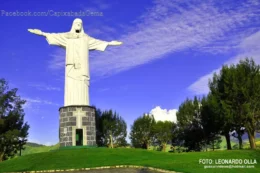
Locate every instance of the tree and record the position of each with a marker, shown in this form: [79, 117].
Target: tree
[110, 129]
[215, 142]
[178, 138]
[210, 121]
[246, 90]
[231, 102]
[194, 136]
[223, 111]
[238, 133]
[187, 112]
[113, 129]
[189, 123]
[237, 89]
[141, 134]
[163, 132]
[13, 130]
[99, 128]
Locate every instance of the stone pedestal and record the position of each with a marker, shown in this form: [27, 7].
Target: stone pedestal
[77, 126]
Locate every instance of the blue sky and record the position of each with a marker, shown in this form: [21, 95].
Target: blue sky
[171, 48]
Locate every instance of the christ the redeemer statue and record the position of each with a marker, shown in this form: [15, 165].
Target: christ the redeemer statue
[77, 45]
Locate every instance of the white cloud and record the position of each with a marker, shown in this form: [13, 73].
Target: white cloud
[102, 5]
[57, 61]
[32, 103]
[251, 43]
[44, 87]
[249, 47]
[97, 6]
[164, 114]
[172, 26]
[103, 89]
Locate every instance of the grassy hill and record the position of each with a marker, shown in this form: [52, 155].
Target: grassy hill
[95, 157]
[32, 144]
[31, 148]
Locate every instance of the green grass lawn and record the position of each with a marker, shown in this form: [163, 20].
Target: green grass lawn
[95, 157]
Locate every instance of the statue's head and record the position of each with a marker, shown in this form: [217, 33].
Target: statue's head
[77, 26]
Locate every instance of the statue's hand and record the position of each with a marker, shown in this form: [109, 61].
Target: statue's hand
[115, 43]
[36, 31]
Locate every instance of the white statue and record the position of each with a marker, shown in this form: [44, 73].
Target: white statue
[77, 45]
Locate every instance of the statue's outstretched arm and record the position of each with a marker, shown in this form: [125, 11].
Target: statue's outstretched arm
[57, 39]
[37, 31]
[115, 43]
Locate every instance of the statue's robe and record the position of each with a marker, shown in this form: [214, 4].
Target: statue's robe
[77, 75]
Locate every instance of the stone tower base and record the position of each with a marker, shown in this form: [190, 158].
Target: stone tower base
[77, 126]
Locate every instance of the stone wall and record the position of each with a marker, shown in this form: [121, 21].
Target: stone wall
[68, 125]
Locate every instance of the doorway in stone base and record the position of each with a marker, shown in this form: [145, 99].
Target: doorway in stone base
[79, 137]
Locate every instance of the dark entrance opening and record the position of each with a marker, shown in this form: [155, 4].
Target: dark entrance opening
[79, 137]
